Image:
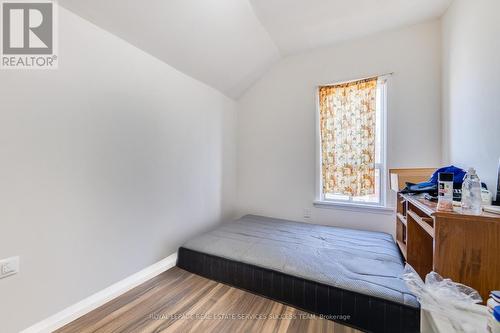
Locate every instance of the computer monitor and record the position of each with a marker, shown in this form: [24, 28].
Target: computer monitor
[497, 201]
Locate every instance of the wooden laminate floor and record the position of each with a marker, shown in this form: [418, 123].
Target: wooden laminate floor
[178, 301]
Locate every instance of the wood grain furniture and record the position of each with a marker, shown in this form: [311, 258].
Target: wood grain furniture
[399, 177]
[464, 248]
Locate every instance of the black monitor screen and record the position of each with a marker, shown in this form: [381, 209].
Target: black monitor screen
[497, 202]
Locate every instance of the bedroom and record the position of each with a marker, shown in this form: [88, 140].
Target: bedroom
[156, 123]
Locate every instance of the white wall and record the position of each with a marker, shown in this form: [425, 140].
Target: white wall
[471, 87]
[106, 166]
[276, 121]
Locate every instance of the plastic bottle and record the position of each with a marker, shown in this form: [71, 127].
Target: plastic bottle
[471, 193]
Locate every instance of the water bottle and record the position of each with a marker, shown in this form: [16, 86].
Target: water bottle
[471, 193]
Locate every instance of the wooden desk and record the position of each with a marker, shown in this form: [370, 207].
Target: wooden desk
[464, 248]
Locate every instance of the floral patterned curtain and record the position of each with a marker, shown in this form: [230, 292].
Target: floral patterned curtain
[347, 124]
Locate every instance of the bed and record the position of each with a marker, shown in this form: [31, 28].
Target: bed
[349, 276]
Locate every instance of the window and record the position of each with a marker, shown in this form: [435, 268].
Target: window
[351, 148]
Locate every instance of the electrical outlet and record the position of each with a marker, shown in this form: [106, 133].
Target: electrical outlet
[9, 266]
[307, 213]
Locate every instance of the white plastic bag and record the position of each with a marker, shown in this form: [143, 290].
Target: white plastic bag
[446, 299]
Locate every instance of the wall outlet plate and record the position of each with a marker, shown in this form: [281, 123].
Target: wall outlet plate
[9, 266]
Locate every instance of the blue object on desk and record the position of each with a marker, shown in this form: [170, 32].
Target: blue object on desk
[458, 174]
[496, 313]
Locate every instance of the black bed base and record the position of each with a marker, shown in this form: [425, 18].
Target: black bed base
[366, 313]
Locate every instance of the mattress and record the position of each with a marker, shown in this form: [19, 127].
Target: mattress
[326, 270]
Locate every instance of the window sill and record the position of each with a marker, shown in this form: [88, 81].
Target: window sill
[354, 207]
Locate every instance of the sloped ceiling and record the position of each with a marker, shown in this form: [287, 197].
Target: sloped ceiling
[229, 44]
[219, 42]
[298, 25]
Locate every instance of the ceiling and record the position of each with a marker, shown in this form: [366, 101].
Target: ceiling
[298, 25]
[229, 44]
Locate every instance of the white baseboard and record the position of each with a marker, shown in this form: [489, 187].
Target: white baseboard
[96, 300]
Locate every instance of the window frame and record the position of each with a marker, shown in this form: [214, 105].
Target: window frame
[320, 200]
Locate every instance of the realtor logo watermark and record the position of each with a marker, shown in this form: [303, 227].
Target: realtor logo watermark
[28, 35]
